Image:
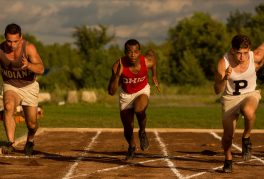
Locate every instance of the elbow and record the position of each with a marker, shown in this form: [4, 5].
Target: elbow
[217, 90]
[111, 92]
[42, 71]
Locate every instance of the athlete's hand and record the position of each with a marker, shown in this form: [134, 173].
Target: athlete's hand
[155, 81]
[119, 68]
[25, 63]
[228, 73]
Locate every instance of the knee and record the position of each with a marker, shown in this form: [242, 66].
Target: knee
[249, 114]
[32, 125]
[227, 140]
[141, 114]
[128, 126]
[32, 128]
[139, 109]
[128, 130]
[9, 107]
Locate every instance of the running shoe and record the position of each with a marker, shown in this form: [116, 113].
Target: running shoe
[29, 148]
[130, 153]
[227, 168]
[246, 148]
[8, 149]
[144, 144]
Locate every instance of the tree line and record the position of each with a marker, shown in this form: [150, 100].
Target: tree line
[187, 57]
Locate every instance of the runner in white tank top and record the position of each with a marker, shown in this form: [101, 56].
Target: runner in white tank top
[235, 79]
[241, 83]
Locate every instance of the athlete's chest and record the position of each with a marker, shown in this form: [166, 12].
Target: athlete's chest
[241, 68]
[14, 55]
[135, 69]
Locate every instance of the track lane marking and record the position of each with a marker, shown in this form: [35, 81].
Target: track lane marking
[165, 153]
[219, 167]
[73, 166]
[116, 168]
[237, 147]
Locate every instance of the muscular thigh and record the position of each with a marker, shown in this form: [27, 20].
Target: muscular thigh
[141, 103]
[11, 99]
[250, 104]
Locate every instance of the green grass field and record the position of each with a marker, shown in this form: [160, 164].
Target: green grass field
[163, 112]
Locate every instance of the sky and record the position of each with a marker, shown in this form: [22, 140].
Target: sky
[54, 21]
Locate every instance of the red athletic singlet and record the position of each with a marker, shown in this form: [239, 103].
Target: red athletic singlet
[131, 82]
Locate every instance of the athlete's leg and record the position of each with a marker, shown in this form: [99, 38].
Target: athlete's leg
[248, 109]
[30, 113]
[140, 105]
[229, 126]
[11, 101]
[127, 117]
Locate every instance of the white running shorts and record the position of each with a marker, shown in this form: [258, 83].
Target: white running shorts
[28, 94]
[126, 100]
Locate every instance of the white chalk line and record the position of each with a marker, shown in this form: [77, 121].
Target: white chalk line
[165, 153]
[237, 147]
[49, 156]
[116, 168]
[73, 166]
[128, 165]
[255, 158]
[165, 157]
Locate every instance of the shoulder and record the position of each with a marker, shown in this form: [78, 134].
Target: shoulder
[259, 53]
[221, 66]
[30, 48]
[225, 59]
[30, 45]
[150, 58]
[150, 55]
[2, 47]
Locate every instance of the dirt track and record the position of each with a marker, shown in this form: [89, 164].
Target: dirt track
[100, 153]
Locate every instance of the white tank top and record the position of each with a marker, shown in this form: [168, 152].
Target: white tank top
[240, 83]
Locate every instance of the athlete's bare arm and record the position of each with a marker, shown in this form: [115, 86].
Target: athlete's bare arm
[33, 62]
[259, 56]
[221, 76]
[151, 62]
[117, 70]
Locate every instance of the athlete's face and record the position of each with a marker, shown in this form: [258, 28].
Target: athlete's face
[12, 41]
[241, 55]
[132, 52]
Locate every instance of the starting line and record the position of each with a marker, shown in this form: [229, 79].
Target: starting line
[163, 157]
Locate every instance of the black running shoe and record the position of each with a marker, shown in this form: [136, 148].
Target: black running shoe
[8, 149]
[227, 168]
[130, 153]
[246, 148]
[29, 148]
[144, 144]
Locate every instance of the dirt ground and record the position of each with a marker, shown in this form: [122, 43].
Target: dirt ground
[100, 153]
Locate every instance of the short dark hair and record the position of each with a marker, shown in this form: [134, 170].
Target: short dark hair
[131, 42]
[241, 41]
[13, 29]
